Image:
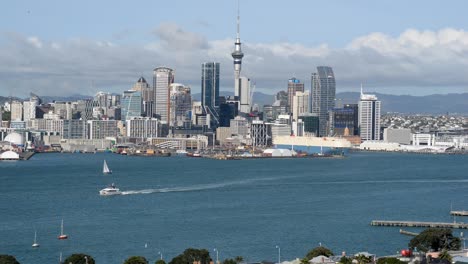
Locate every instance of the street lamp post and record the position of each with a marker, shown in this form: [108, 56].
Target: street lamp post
[160, 255]
[217, 255]
[279, 254]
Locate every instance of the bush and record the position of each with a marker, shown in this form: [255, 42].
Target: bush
[136, 260]
[79, 258]
[7, 259]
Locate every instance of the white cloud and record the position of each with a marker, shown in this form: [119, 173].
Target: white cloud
[412, 59]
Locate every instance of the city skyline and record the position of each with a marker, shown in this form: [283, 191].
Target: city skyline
[50, 51]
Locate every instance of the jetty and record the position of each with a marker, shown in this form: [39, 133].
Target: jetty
[408, 233]
[419, 224]
[459, 213]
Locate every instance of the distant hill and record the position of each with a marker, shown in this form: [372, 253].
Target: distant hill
[429, 104]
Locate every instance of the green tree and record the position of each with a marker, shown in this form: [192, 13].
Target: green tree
[345, 260]
[190, 255]
[435, 239]
[136, 260]
[229, 261]
[390, 261]
[79, 258]
[6, 116]
[239, 259]
[445, 255]
[319, 251]
[160, 261]
[7, 259]
[361, 259]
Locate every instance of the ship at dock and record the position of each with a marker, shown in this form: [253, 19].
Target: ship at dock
[313, 145]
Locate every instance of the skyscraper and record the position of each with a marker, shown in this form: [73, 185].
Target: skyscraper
[323, 95]
[131, 105]
[294, 85]
[163, 77]
[181, 104]
[300, 104]
[147, 95]
[237, 55]
[369, 117]
[210, 87]
[244, 95]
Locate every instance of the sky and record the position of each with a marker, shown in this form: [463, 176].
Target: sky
[60, 47]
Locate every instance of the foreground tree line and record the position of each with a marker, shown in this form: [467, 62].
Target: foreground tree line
[432, 239]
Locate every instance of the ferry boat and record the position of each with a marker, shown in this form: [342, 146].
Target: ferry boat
[320, 146]
[111, 190]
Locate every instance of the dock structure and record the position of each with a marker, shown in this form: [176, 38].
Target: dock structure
[419, 224]
[459, 213]
[408, 233]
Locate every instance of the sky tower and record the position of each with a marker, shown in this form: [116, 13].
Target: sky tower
[237, 55]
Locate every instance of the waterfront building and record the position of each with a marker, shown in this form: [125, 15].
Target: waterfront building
[423, 139]
[163, 77]
[100, 129]
[180, 104]
[142, 127]
[311, 123]
[323, 89]
[210, 87]
[294, 86]
[73, 129]
[239, 126]
[227, 111]
[313, 145]
[340, 120]
[401, 136]
[260, 132]
[280, 130]
[355, 108]
[300, 104]
[131, 105]
[16, 109]
[298, 128]
[369, 117]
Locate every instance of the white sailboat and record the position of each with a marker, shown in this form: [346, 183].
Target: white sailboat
[105, 168]
[35, 244]
[62, 235]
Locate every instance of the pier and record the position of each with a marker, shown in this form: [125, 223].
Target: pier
[459, 213]
[419, 224]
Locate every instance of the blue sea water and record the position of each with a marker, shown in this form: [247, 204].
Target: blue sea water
[240, 207]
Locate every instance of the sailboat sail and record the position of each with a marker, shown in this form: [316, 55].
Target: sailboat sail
[106, 169]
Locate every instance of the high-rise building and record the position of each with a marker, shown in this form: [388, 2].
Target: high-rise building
[142, 127]
[210, 87]
[181, 104]
[16, 109]
[244, 95]
[355, 109]
[300, 104]
[294, 85]
[323, 91]
[311, 123]
[147, 95]
[163, 77]
[131, 105]
[369, 117]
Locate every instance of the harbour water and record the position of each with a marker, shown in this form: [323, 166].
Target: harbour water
[240, 207]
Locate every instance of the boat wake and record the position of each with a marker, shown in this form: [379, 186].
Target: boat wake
[194, 188]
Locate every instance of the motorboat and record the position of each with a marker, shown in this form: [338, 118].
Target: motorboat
[110, 190]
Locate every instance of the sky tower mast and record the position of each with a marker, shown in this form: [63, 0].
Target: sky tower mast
[237, 55]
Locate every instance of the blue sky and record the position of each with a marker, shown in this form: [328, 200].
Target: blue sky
[399, 47]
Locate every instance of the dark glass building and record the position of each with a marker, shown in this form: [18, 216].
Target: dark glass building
[311, 123]
[210, 87]
[323, 95]
[355, 108]
[340, 119]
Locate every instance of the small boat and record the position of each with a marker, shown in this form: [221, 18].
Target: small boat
[110, 190]
[105, 168]
[35, 244]
[62, 235]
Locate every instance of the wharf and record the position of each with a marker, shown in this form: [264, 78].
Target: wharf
[459, 213]
[419, 224]
[26, 155]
